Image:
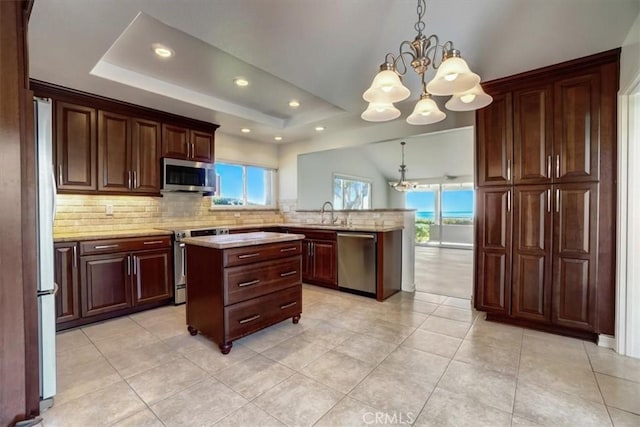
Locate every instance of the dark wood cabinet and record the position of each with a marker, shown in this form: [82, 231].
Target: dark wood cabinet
[106, 284]
[493, 252]
[551, 272]
[323, 266]
[75, 146]
[66, 277]
[494, 137]
[151, 277]
[188, 144]
[128, 154]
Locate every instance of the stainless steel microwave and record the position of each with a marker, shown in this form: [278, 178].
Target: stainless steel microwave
[186, 175]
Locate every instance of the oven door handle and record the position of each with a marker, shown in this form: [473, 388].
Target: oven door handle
[183, 257]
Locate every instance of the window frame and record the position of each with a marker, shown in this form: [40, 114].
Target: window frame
[271, 187]
[344, 177]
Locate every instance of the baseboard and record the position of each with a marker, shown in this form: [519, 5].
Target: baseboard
[607, 341]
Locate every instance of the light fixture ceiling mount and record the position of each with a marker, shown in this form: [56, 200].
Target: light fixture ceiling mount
[453, 77]
[403, 184]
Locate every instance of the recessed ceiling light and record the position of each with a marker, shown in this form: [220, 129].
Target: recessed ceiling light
[241, 81]
[277, 138]
[294, 103]
[245, 130]
[162, 51]
[319, 128]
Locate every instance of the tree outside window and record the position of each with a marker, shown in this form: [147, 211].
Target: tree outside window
[351, 192]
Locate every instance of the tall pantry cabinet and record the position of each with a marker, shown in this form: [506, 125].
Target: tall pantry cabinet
[545, 203]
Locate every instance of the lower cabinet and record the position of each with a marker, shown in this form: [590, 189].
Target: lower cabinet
[319, 258]
[110, 278]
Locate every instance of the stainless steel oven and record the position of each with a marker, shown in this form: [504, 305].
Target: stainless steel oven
[180, 258]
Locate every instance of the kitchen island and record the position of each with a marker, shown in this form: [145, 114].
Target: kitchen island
[240, 283]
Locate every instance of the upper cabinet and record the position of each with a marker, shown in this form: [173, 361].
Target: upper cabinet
[494, 137]
[107, 146]
[187, 144]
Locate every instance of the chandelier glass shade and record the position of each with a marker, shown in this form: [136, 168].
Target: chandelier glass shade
[403, 185]
[380, 112]
[453, 78]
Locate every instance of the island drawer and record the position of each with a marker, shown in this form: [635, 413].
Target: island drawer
[95, 247]
[249, 316]
[250, 281]
[251, 254]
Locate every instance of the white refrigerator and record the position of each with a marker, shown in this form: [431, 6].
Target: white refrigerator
[46, 206]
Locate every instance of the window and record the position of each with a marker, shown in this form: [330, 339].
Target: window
[244, 185]
[351, 192]
[457, 204]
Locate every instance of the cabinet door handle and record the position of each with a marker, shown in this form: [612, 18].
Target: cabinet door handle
[59, 174]
[252, 282]
[291, 304]
[249, 319]
[549, 166]
[509, 201]
[293, 248]
[313, 249]
[557, 165]
[153, 242]
[244, 256]
[128, 265]
[183, 251]
[129, 180]
[193, 150]
[187, 144]
[288, 273]
[508, 169]
[548, 200]
[557, 200]
[135, 265]
[75, 257]
[135, 179]
[105, 246]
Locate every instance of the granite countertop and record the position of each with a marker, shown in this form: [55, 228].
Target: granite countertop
[364, 228]
[111, 234]
[226, 241]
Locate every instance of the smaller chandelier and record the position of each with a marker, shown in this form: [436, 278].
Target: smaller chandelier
[453, 78]
[403, 184]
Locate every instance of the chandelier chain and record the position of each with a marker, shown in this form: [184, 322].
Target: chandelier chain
[420, 25]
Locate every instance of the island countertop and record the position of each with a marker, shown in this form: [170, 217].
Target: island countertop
[226, 241]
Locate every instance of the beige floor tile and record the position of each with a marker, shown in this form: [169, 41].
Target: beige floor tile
[165, 380]
[150, 317]
[265, 339]
[349, 412]
[486, 386]
[552, 408]
[249, 415]
[129, 362]
[559, 339]
[556, 350]
[444, 271]
[99, 408]
[450, 409]
[366, 348]
[518, 421]
[144, 418]
[454, 313]
[212, 360]
[496, 359]
[463, 303]
[202, 404]
[327, 334]
[254, 376]
[164, 329]
[403, 317]
[296, 352]
[606, 361]
[323, 311]
[429, 297]
[502, 335]
[117, 343]
[431, 342]
[623, 418]
[75, 381]
[110, 328]
[71, 359]
[445, 326]
[393, 393]
[388, 331]
[619, 393]
[416, 364]
[187, 343]
[71, 340]
[312, 401]
[418, 306]
[338, 371]
[560, 376]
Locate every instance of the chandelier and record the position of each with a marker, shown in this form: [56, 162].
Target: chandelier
[403, 184]
[453, 77]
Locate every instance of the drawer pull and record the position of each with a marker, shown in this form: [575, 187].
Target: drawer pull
[249, 319]
[153, 242]
[105, 246]
[291, 304]
[244, 256]
[288, 249]
[288, 273]
[253, 282]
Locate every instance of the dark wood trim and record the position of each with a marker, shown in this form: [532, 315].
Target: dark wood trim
[45, 89]
[389, 262]
[546, 327]
[552, 72]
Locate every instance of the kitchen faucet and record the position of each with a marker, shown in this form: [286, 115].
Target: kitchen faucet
[334, 218]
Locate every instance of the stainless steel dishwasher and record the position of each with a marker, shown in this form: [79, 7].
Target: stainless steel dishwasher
[357, 262]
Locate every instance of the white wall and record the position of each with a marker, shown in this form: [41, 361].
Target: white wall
[234, 149]
[315, 180]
